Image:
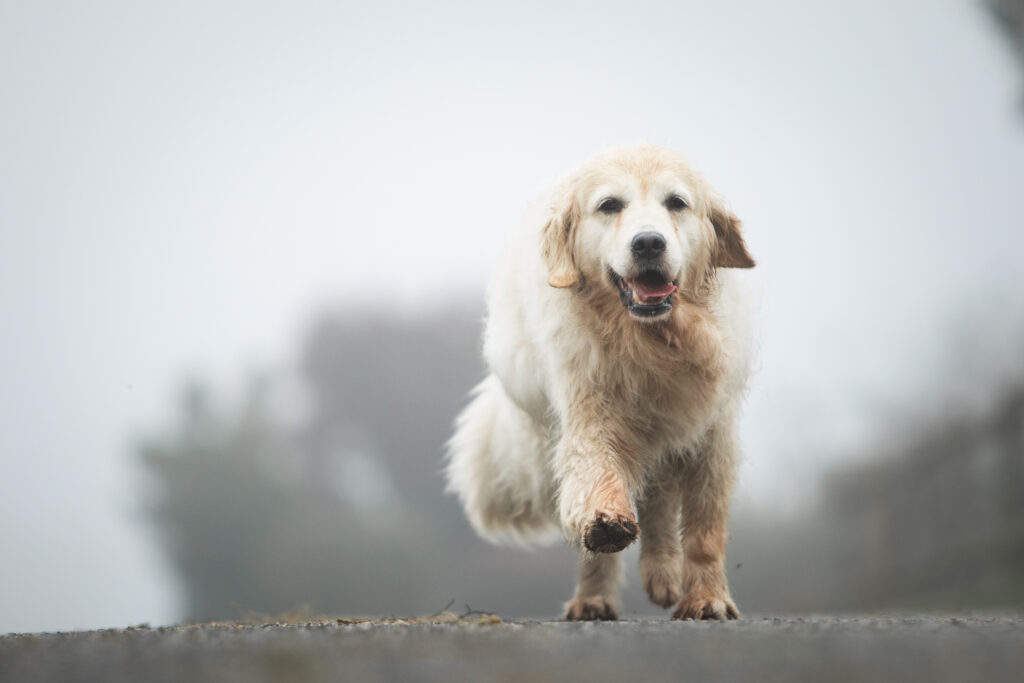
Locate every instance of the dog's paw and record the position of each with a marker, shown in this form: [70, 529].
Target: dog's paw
[590, 609]
[707, 608]
[610, 535]
[661, 581]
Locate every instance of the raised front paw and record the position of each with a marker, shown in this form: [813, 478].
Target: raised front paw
[590, 609]
[706, 608]
[608, 534]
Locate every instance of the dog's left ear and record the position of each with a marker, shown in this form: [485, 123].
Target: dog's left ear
[559, 236]
[731, 251]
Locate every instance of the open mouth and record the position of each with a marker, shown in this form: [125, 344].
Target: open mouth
[647, 295]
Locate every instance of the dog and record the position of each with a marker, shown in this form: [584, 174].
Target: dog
[619, 341]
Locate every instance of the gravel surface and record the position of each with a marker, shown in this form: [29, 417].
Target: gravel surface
[445, 648]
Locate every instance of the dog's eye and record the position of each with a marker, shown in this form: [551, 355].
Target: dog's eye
[675, 203]
[610, 205]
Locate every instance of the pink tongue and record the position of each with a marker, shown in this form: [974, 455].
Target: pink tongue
[653, 291]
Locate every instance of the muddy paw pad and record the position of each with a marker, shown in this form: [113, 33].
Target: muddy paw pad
[606, 535]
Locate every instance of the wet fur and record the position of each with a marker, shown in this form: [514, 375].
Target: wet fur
[598, 425]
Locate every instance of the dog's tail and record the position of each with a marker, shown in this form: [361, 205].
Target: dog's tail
[499, 469]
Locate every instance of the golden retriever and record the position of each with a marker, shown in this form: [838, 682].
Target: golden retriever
[619, 339]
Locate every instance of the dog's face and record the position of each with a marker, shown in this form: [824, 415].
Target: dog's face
[643, 226]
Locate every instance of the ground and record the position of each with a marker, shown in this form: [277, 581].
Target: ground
[482, 647]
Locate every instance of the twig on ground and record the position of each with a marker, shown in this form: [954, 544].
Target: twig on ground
[470, 612]
[443, 609]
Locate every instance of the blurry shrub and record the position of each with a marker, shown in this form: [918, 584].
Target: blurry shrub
[937, 521]
[247, 532]
[934, 520]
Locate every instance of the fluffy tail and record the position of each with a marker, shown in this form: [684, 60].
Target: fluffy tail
[498, 467]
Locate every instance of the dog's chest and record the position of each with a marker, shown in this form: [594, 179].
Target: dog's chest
[660, 391]
[679, 399]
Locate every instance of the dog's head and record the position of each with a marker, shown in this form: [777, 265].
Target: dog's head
[640, 223]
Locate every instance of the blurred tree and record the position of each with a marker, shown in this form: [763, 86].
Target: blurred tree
[934, 520]
[390, 388]
[245, 533]
[939, 521]
[1010, 16]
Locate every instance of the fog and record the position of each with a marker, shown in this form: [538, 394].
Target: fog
[187, 189]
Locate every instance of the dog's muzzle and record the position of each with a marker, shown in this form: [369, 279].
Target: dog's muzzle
[648, 295]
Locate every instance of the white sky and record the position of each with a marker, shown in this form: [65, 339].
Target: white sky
[181, 186]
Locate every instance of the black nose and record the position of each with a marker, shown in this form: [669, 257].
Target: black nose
[648, 245]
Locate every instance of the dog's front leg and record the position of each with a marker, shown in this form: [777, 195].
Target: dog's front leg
[595, 484]
[661, 552]
[595, 492]
[707, 479]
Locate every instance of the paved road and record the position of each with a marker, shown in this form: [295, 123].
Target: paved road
[827, 649]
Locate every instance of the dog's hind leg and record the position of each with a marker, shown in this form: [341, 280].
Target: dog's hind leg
[597, 590]
[498, 467]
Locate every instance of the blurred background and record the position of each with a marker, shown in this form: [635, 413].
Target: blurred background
[243, 252]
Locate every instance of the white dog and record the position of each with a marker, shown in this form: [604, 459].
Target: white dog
[619, 345]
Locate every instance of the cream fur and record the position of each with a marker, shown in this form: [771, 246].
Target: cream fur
[592, 419]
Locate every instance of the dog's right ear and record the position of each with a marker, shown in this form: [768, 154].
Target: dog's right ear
[559, 237]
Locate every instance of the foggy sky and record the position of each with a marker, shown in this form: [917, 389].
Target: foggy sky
[181, 186]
